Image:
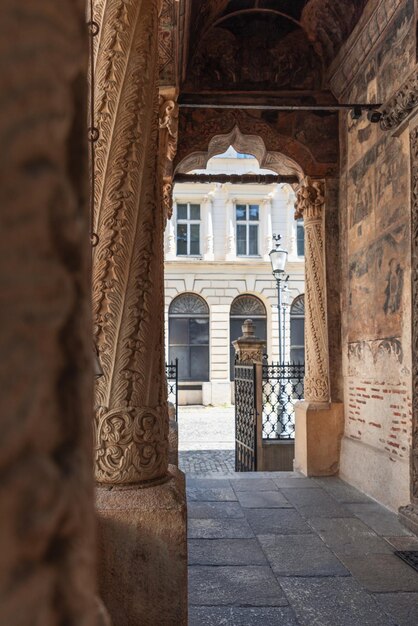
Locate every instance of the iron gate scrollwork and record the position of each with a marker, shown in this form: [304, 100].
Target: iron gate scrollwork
[245, 418]
[282, 388]
[172, 376]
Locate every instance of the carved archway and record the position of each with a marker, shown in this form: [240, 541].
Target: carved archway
[310, 141]
[247, 144]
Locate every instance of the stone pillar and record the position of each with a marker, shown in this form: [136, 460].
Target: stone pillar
[141, 503]
[171, 240]
[319, 423]
[47, 520]
[267, 228]
[231, 252]
[208, 221]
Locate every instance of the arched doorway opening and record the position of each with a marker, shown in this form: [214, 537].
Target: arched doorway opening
[188, 337]
[244, 307]
[297, 330]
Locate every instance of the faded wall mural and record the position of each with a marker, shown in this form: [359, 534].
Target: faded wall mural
[375, 222]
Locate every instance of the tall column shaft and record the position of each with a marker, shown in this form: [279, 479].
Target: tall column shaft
[310, 206]
[131, 424]
[208, 233]
[231, 252]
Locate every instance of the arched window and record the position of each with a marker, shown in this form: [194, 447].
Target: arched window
[297, 330]
[245, 307]
[188, 336]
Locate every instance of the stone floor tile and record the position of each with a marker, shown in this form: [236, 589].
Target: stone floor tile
[382, 572]
[219, 529]
[333, 602]
[341, 491]
[349, 536]
[263, 500]
[225, 552]
[403, 607]
[301, 555]
[200, 494]
[207, 483]
[240, 586]
[315, 503]
[294, 481]
[382, 521]
[214, 510]
[241, 616]
[253, 484]
[276, 522]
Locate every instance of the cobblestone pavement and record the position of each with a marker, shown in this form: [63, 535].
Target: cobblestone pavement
[278, 549]
[206, 440]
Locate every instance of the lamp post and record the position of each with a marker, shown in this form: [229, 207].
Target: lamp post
[278, 259]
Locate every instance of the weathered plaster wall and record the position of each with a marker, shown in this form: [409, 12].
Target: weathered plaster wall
[47, 564]
[375, 227]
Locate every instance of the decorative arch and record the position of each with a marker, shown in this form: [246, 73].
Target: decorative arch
[284, 142]
[188, 304]
[246, 144]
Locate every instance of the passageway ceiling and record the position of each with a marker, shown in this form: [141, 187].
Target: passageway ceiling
[259, 52]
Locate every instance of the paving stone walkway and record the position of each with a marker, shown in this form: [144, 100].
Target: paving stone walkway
[206, 440]
[278, 549]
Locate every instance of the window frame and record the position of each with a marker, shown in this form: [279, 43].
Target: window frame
[247, 223]
[190, 316]
[300, 226]
[188, 222]
[297, 316]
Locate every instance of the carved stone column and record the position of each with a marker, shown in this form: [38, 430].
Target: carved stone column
[310, 206]
[47, 520]
[319, 424]
[142, 519]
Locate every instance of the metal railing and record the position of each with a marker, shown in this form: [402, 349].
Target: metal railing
[172, 376]
[245, 418]
[282, 388]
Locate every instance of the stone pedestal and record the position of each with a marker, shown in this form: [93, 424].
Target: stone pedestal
[143, 553]
[318, 432]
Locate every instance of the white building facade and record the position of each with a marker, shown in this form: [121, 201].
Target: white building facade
[218, 273]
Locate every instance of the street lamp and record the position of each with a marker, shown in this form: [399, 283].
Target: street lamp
[278, 259]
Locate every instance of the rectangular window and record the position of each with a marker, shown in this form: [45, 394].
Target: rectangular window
[300, 238]
[188, 229]
[247, 221]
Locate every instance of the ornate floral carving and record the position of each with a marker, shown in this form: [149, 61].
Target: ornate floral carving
[414, 274]
[310, 205]
[397, 109]
[127, 269]
[168, 125]
[131, 441]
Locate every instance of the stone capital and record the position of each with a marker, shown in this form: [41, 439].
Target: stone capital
[310, 200]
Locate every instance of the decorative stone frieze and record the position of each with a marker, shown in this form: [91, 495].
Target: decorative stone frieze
[310, 205]
[401, 105]
[131, 423]
[168, 135]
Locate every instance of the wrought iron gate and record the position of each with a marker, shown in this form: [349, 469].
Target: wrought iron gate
[172, 375]
[282, 388]
[245, 418]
